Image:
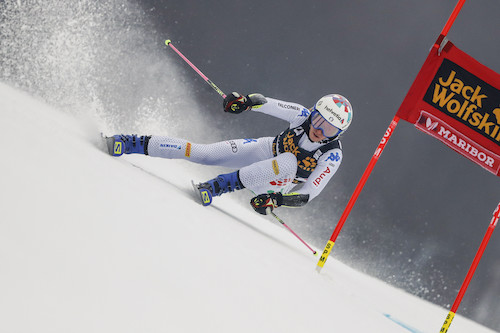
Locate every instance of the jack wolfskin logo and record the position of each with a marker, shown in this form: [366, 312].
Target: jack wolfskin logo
[466, 98]
[307, 164]
[117, 148]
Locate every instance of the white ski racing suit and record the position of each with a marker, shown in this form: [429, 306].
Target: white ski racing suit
[266, 164]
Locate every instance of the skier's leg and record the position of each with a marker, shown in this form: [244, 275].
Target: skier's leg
[232, 153]
[127, 144]
[260, 172]
[271, 175]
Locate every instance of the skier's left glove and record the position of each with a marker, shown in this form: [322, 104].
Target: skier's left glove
[236, 103]
[265, 203]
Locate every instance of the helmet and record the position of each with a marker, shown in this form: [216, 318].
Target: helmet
[332, 114]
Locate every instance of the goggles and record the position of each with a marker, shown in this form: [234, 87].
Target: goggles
[319, 122]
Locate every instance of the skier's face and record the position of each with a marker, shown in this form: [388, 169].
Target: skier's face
[316, 135]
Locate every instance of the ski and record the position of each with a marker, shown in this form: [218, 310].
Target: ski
[202, 194]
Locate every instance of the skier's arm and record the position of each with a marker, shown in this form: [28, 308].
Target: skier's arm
[287, 111]
[327, 166]
[291, 112]
[324, 171]
[265, 203]
[236, 103]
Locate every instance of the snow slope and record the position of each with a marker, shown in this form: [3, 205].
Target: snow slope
[91, 243]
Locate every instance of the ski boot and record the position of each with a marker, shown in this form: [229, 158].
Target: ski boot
[221, 184]
[127, 144]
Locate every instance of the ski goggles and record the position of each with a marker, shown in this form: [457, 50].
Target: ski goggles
[319, 122]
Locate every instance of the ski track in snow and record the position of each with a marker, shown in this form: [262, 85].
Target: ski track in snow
[92, 243]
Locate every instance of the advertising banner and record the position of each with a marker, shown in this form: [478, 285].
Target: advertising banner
[457, 100]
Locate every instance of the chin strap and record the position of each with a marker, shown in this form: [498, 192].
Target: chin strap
[328, 140]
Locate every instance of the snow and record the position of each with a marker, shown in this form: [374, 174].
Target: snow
[92, 243]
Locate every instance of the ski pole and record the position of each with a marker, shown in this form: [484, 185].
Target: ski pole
[289, 229]
[168, 42]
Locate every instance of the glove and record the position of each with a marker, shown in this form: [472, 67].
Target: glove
[236, 103]
[265, 203]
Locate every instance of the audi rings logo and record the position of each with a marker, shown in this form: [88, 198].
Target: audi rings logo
[234, 147]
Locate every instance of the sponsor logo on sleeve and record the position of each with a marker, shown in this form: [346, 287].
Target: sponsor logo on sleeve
[334, 157]
[234, 146]
[320, 178]
[288, 106]
[304, 113]
[188, 150]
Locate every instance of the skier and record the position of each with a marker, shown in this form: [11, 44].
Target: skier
[308, 152]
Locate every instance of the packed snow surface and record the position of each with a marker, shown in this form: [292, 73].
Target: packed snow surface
[92, 243]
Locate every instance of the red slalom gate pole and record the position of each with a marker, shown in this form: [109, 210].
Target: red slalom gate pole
[452, 17]
[357, 191]
[168, 42]
[376, 155]
[472, 269]
[449, 23]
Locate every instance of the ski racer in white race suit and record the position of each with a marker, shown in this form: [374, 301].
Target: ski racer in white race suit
[308, 152]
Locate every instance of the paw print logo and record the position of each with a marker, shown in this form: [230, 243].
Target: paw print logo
[308, 164]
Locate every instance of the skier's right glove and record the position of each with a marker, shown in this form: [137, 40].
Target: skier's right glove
[236, 103]
[265, 203]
